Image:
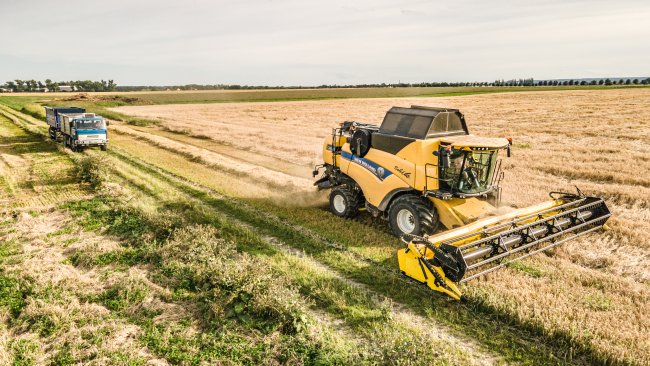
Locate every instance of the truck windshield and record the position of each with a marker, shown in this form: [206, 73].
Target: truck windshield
[90, 124]
[469, 172]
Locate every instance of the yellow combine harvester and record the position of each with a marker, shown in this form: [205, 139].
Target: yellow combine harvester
[421, 169]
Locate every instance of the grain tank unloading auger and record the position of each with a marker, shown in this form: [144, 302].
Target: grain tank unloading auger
[421, 169]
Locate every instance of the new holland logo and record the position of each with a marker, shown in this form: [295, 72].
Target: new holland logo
[379, 171]
[366, 164]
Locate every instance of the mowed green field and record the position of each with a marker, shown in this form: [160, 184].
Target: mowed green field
[159, 245]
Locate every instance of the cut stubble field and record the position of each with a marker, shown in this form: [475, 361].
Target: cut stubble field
[214, 247]
[593, 290]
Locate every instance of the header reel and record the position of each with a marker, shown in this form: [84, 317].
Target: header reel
[442, 261]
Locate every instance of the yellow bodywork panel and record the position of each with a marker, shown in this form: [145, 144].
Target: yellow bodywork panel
[411, 263]
[377, 173]
[457, 212]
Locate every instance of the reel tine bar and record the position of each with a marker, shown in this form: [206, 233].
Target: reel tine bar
[574, 219]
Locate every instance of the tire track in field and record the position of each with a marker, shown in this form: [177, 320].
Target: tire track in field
[231, 151]
[212, 159]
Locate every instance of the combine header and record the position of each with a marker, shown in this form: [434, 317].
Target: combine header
[422, 169]
[456, 256]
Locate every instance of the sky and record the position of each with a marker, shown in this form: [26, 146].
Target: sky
[304, 42]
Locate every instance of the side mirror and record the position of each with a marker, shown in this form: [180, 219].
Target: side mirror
[508, 152]
[108, 123]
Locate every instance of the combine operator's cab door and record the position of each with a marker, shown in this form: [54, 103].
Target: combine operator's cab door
[466, 172]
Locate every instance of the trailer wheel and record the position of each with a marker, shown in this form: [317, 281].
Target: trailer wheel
[344, 202]
[412, 215]
[52, 133]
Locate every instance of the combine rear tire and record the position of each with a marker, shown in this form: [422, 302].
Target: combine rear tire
[412, 215]
[344, 202]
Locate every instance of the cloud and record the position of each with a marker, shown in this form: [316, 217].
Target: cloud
[291, 42]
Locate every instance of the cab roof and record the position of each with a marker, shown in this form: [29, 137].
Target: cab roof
[422, 122]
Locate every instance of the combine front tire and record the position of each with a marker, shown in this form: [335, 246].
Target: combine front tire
[412, 215]
[344, 202]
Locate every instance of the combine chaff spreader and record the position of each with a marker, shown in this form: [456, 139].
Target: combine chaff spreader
[421, 168]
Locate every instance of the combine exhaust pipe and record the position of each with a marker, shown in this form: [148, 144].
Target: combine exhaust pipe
[445, 260]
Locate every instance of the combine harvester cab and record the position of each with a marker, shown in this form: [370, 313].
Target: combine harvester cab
[421, 170]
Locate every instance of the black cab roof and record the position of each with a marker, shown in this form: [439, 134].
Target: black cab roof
[420, 122]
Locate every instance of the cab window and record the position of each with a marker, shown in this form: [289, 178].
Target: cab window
[405, 125]
[446, 123]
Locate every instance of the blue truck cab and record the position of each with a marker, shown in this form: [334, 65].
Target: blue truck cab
[81, 130]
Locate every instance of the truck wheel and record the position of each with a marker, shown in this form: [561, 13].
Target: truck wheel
[103, 147]
[412, 215]
[344, 202]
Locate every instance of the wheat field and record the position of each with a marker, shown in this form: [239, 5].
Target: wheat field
[213, 209]
[595, 289]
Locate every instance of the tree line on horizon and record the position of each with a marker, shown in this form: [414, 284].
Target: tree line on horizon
[514, 82]
[103, 85]
[19, 86]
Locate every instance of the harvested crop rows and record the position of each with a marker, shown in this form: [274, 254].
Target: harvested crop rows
[244, 170]
[594, 289]
[362, 324]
